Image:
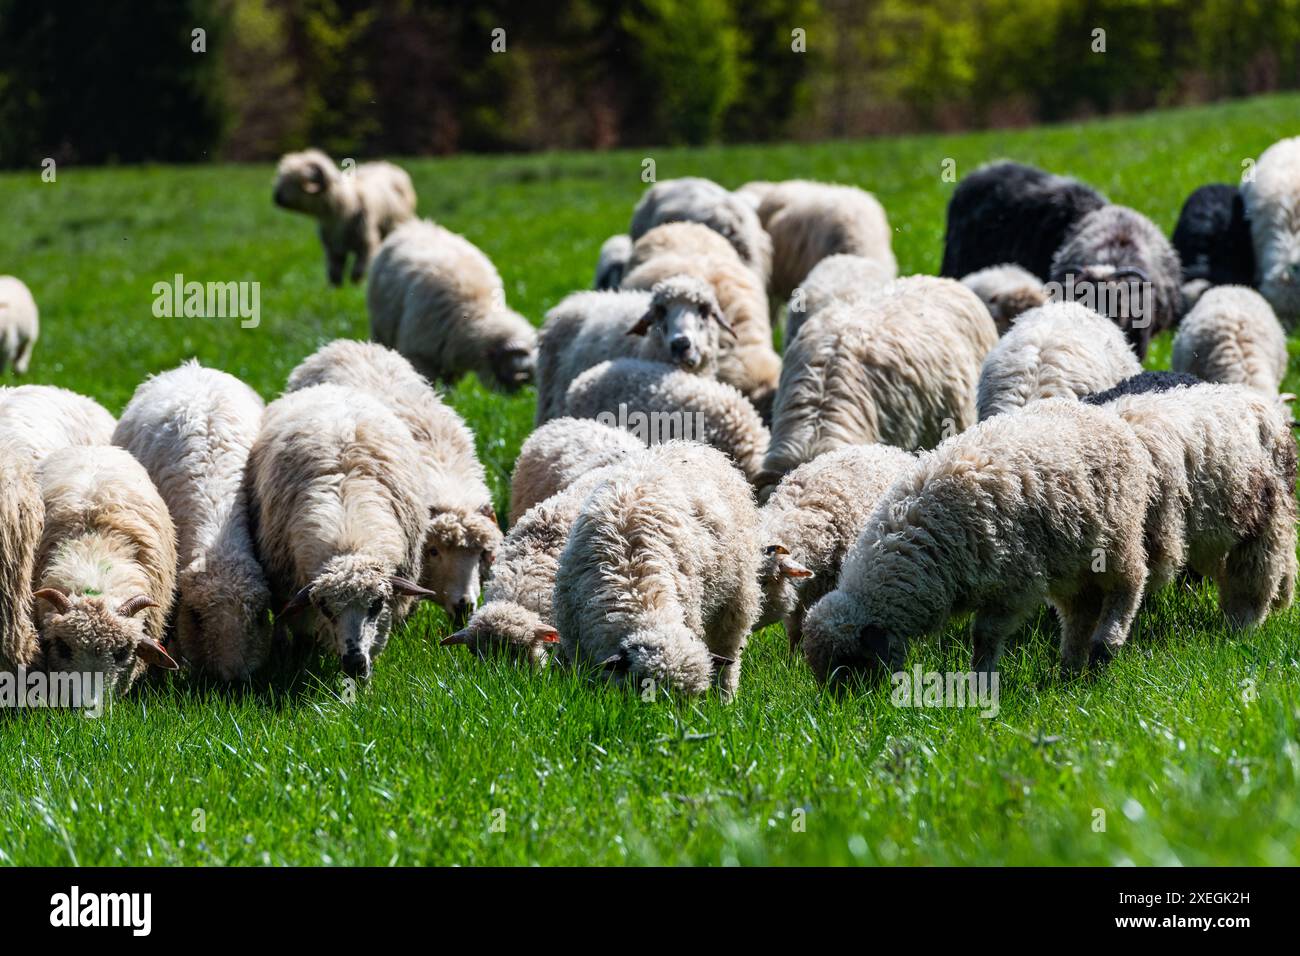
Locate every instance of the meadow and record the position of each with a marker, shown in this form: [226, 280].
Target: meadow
[1184, 751]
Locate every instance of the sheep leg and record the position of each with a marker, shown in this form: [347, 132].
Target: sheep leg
[1255, 571]
[794, 629]
[1078, 615]
[990, 631]
[361, 254]
[334, 262]
[1119, 606]
[24, 357]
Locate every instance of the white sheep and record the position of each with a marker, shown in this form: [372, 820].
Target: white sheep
[899, 368]
[438, 300]
[1232, 336]
[1009, 514]
[558, 453]
[337, 503]
[107, 554]
[22, 515]
[1062, 349]
[1272, 199]
[463, 532]
[810, 522]
[1007, 290]
[192, 429]
[659, 578]
[837, 278]
[19, 325]
[355, 209]
[659, 403]
[44, 418]
[612, 264]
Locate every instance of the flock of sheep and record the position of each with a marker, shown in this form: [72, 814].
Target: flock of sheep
[925, 447]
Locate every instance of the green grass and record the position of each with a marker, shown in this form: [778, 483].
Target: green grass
[1188, 743]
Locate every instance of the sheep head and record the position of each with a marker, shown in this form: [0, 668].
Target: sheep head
[224, 608]
[686, 319]
[841, 647]
[506, 628]
[668, 654]
[513, 363]
[459, 549]
[304, 182]
[779, 575]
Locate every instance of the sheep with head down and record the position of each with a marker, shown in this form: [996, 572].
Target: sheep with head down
[839, 278]
[1272, 198]
[44, 418]
[1231, 336]
[22, 515]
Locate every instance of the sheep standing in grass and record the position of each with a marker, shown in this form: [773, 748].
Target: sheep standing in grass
[1212, 239]
[1007, 290]
[809, 221]
[1118, 263]
[900, 369]
[612, 264]
[463, 532]
[1012, 213]
[660, 403]
[810, 522]
[1061, 349]
[837, 278]
[356, 210]
[19, 325]
[22, 515]
[659, 578]
[692, 199]
[1232, 336]
[192, 429]
[560, 452]
[679, 322]
[43, 419]
[106, 566]
[338, 508]
[1272, 201]
[438, 300]
[999, 519]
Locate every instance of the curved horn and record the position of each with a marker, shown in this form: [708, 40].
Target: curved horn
[460, 637]
[134, 605]
[613, 662]
[1130, 272]
[717, 317]
[55, 598]
[403, 586]
[296, 603]
[720, 661]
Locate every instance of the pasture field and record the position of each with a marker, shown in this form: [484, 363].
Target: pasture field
[1185, 751]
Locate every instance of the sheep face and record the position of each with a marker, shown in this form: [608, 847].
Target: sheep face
[513, 363]
[504, 628]
[457, 554]
[224, 605]
[779, 576]
[303, 182]
[841, 648]
[670, 656]
[685, 317]
[83, 634]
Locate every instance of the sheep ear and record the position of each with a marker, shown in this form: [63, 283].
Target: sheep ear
[151, 652]
[487, 511]
[545, 634]
[409, 588]
[297, 602]
[776, 549]
[460, 637]
[726, 326]
[55, 598]
[134, 605]
[643, 324]
[791, 568]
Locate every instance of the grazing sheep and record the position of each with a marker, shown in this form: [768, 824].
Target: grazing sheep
[809, 221]
[1223, 502]
[22, 515]
[1007, 290]
[658, 403]
[838, 278]
[43, 419]
[678, 322]
[692, 199]
[997, 520]
[1141, 384]
[1212, 239]
[355, 210]
[1061, 349]
[192, 429]
[438, 300]
[614, 254]
[463, 532]
[337, 501]
[810, 522]
[19, 325]
[899, 369]
[1012, 213]
[1272, 201]
[560, 452]
[659, 577]
[1118, 263]
[1232, 336]
[107, 554]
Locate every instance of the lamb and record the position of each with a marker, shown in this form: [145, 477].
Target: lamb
[1141, 384]
[659, 578]
[1224, 501]
[355, 210]
[22, 515]
[19, 325]
[809, 221]
[1061, 349]
[337, 506]
[997, 520]
[1212, 239]
[659, 403]
[1007, 290]
[44, 418]
[837, 278]
[463, 533]
[1008, 212]
[679, 322]
[900, 369]
[1117, 262]
[1272, 200]
[1232, 336]
[560, 452]
[105, 567]
[438, 300]
[692, 199]
[612, 264]
[191, 429]
[810, 522]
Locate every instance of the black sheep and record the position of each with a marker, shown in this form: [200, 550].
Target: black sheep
[1213, 237]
